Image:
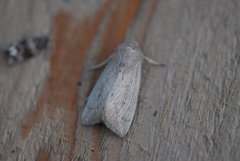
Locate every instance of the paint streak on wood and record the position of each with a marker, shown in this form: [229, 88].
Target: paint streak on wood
[146, 20]
[115, 31]
[123, 14]
[72, 41]
[43, 155]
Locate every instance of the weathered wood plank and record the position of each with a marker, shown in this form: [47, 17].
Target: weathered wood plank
[188, 110]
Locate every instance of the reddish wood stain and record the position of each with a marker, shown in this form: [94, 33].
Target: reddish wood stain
[146, 20]
[123, 14]
[72, 41]
[43, 155]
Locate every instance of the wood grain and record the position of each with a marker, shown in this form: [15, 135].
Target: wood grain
[187, 110]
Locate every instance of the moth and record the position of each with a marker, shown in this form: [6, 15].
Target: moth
[113, 100]
[25, 49]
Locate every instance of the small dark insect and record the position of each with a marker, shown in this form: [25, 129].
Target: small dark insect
[25, 49]
[79, 83]
[155, 113]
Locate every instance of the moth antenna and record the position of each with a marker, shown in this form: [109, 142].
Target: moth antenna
[150, 60]
[103, 63]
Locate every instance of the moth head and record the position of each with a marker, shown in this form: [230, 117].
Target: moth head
[128, 53]
[131, 45]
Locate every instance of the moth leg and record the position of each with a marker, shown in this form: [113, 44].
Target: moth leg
[97, 66]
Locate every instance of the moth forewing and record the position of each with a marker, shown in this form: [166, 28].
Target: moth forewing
[121, 104]
[93, 110]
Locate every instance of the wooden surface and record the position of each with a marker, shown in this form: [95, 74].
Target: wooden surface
[187, 110]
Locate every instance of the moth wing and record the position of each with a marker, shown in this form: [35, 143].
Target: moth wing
[121, 102]
[93, 110]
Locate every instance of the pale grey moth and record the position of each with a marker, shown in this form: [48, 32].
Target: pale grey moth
[113, 100]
